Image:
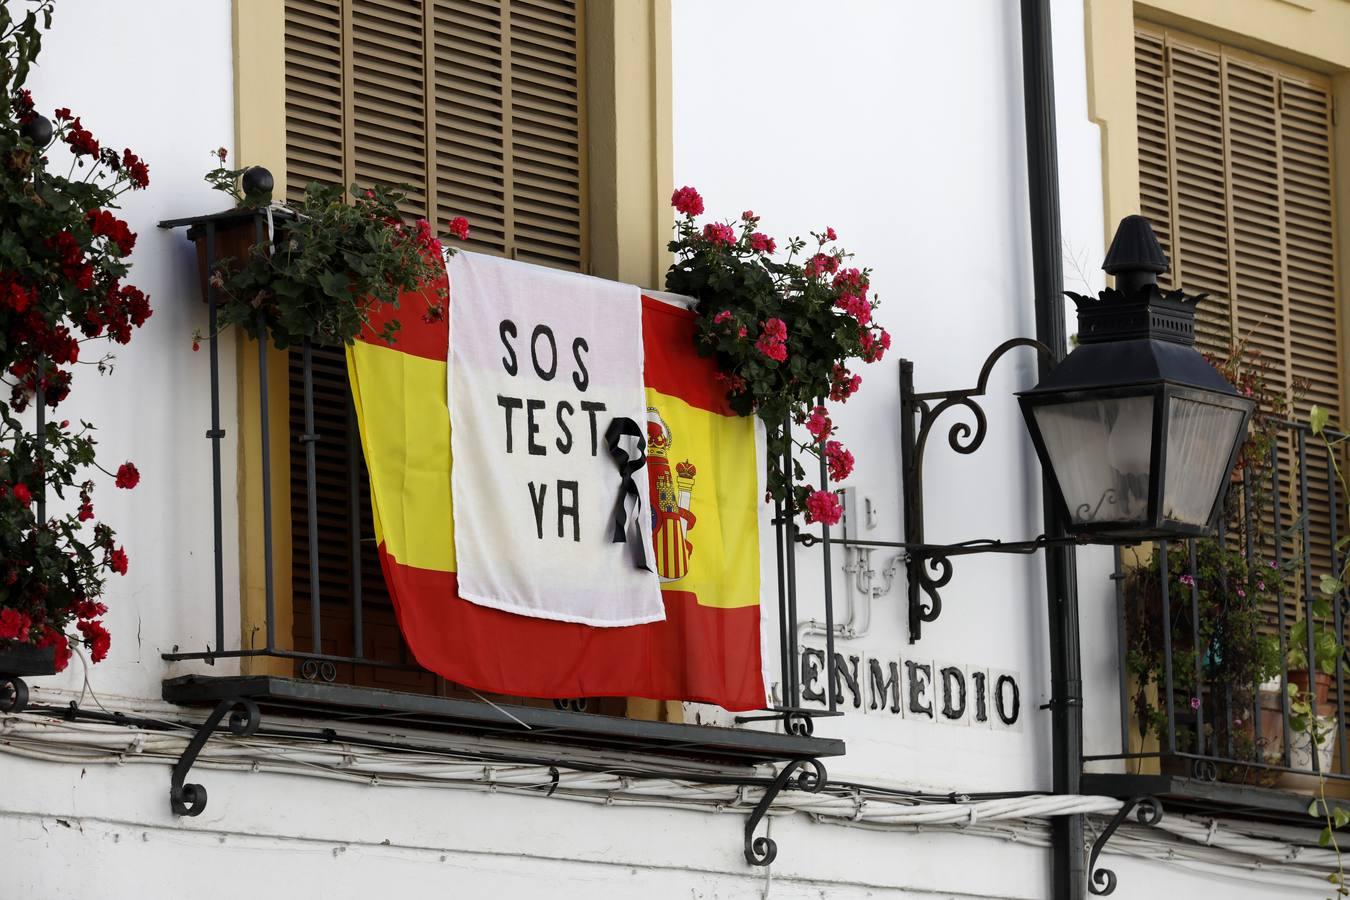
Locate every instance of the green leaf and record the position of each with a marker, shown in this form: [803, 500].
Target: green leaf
[334, 284]
[1324, 837]
[1318, 419]
[1313, 810]
[1331, 585]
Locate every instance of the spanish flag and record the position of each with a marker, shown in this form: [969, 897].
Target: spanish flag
[703, 476]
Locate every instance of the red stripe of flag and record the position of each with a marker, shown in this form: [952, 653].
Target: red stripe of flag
[698, 653]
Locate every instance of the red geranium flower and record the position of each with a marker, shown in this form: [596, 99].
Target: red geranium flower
[105, 224]
[98, 639]
[138, 173]
[82, 142]
[459, 227]
[14, 625]
[687, 202]
[840, 460]
[819, 424]
[762, 243]
[823, 507]
[53, 638]
[128, 476]
[118, 560]
[719, 235]
[773, 340]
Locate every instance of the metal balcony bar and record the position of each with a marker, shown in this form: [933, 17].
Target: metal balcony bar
[220, 234]
[1210, 725]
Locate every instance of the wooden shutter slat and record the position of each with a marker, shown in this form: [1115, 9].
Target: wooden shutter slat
[1235, 172]
[477, 106]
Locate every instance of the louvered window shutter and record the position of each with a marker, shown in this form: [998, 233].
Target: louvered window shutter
[1235, 175]
[478, 107]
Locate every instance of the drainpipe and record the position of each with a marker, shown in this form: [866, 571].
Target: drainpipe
[1069, 875]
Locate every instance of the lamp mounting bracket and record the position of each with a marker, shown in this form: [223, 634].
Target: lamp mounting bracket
[928, 566]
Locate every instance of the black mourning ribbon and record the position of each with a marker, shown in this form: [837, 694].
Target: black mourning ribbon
[626, 524]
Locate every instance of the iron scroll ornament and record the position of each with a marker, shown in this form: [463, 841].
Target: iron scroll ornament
[929, 570]
[190, 799]
[761, 851]
[1147, 811]
[13, 694]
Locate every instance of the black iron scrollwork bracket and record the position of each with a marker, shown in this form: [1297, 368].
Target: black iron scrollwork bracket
[13, 694]
[318, 670]
[190, 799]
[810, 777]
[1147, 811]
[929, 567]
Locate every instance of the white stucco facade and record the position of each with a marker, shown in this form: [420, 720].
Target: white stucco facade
[898, 124]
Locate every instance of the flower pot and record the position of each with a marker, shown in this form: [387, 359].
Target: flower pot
[1321, 680]
[1300, 745]
[25, 659]
[235, 237]
[17, 660]
[1271, 710]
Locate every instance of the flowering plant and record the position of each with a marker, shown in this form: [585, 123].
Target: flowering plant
[63, 257]
[1225, 631]
[331, 264]
[785, 333]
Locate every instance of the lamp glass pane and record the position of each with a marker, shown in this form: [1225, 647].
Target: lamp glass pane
[1101, 454]
[1200, 438]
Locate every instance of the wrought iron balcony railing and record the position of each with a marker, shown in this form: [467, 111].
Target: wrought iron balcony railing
[333, 622]
[1216, 636]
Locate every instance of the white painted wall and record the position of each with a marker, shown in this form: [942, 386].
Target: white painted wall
[898, 124]
[901, 125]
[158, 79]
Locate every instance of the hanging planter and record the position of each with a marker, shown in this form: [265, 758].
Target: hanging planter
[321, 266]
[17, 660]
[25, 659]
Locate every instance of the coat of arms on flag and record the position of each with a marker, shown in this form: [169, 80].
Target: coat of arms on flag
[671, 500]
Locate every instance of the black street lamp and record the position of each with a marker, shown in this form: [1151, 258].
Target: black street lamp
[1138, 431]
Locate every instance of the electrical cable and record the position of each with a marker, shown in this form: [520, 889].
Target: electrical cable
[51, 734]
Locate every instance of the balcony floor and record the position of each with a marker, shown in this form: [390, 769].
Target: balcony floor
[372, 706]
[1196, 795]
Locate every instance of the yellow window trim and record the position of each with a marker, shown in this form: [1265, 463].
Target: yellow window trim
[1308, 34]
[1311, 34]
[629, 148]
[260, 139]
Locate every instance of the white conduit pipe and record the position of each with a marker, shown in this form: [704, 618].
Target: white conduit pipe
[41, 738]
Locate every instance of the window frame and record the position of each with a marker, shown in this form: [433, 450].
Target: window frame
[629, 161]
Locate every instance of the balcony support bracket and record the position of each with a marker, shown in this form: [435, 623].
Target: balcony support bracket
[13, 694]
[810, 777]
[1148, 811]
[190, 799]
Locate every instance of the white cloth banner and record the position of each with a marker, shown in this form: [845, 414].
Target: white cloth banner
[541, 363]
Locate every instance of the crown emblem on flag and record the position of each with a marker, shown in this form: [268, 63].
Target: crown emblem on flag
[658, 434]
